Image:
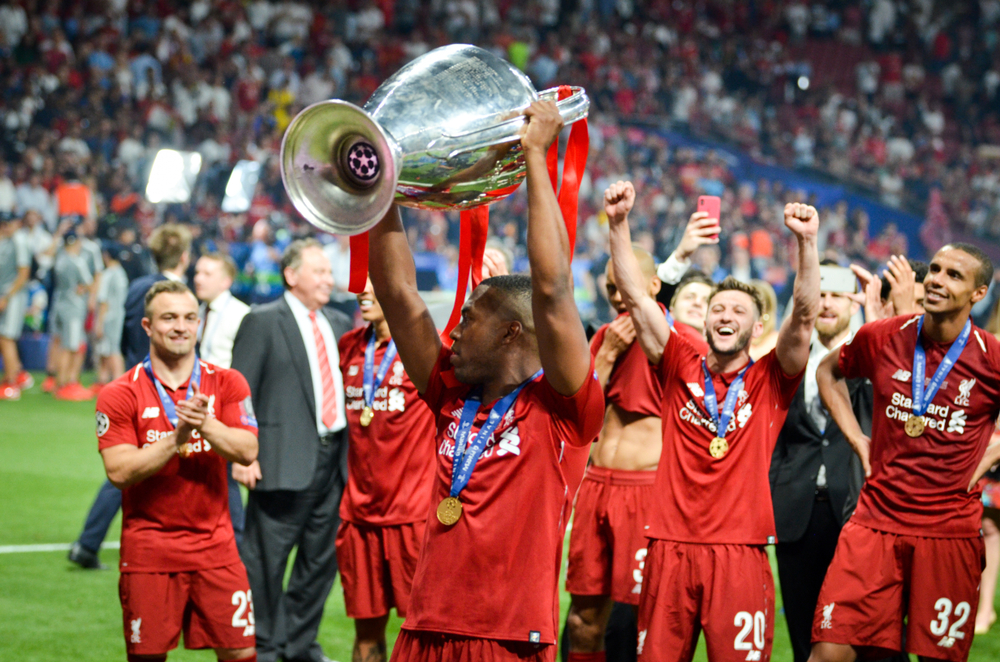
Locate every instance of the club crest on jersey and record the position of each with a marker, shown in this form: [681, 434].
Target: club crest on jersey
[150, 412]
[964, 391]
[136, 638]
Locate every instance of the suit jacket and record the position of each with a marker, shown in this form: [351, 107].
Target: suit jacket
[135, 342]
[798, 454]
[219, 333]
[270, 353]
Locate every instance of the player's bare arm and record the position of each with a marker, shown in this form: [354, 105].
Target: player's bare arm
[127, 465]
[562, 342]
[837, 399]
[617, 339]
[796, 331]
[233, 444]
[394, 279]
[990, 458]
[651, 328]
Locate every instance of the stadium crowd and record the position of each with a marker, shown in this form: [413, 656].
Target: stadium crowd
[90, 94]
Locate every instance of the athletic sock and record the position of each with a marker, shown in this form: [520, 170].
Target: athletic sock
[137, 658]
[599, 656]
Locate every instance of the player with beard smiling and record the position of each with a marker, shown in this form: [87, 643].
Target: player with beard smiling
[706, 567]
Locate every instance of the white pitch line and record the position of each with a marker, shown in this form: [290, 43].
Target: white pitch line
[53, 547]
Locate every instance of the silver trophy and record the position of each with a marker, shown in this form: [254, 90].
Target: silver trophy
[442, 132]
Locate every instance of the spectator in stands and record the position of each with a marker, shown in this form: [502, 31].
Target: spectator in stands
[72, 279]
[110, 317]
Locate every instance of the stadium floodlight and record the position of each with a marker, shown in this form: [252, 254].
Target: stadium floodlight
[803, 83]
[172, 177]
[240, 187]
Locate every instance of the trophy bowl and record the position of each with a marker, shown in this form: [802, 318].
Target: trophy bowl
[440, 133]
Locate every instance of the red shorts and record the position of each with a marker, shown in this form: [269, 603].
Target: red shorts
[377, 565]
[877, 579]
[727, 590]
[415, 646]
[607, 546]
[213, 607]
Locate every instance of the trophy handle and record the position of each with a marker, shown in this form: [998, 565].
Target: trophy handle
[573, 108]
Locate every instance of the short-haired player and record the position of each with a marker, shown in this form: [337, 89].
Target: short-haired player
[908, 563]
[706, 567]
[165, 430]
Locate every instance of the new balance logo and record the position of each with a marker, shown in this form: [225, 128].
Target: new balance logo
[696, 390]
[827, 622]
[753, 656]
[902, 376]
[946, 642]
[352, 370]
[151, 412]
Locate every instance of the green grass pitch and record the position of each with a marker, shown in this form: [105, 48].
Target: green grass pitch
[50, 610]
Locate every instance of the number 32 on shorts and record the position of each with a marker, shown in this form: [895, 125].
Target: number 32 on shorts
[747, 622]
[939, 626]
[243, 616]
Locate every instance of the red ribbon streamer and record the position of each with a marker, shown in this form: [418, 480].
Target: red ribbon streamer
[359, 263]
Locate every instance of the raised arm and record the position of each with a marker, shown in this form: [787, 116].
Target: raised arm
[792, 349]
[651, 328]
[394, 279]
[837, 399]
[562, 342]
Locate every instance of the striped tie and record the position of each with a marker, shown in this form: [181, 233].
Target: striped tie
[329, 414]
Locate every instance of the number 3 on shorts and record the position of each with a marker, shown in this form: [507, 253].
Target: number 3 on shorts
[939, 626]
[243, 616]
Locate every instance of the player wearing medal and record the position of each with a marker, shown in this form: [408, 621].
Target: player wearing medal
[165, 430]
[706, 567]
[511, 442]
[390, 462]
[913, 548]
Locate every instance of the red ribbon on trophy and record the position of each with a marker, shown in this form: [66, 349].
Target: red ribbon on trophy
[475, 222]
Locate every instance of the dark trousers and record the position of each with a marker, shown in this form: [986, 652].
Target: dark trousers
[109, 500]
[621, 638]
[801, 568]
[276, 521]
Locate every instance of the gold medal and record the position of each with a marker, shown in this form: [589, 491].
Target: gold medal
[449, 510]
[915, 425]
[718, 447]
[367, 414]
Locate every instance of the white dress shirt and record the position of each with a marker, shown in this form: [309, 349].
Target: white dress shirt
[301, 314]
[218, 330]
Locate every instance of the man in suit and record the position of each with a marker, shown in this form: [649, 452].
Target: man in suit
[287, 350]
[810, 475]
[170, 245]
[221, 315]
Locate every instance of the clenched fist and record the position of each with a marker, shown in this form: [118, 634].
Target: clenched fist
[618, 201]
[802, 219]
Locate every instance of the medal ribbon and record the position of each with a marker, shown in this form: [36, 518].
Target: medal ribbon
[168, 404]
[922, 400]
[729, 406]
[464, 462]
[375, 376]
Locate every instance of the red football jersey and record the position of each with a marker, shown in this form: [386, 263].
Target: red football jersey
[920, 486]
[693, 336]
[177, 520]
[390, 462]
[633, 384]
[494, 574]
[725, 500]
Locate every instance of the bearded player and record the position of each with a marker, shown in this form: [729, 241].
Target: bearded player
[706, 567]
[165, 430]
[390, 462]
[913, 548]
[607, 547]
[516, 395]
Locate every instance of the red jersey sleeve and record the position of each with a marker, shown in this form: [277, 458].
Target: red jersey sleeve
[859, 355]
[116, 416]
[577, 418]
[234, 406]
[595, 342]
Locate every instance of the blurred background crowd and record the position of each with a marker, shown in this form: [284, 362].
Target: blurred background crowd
[884, 113]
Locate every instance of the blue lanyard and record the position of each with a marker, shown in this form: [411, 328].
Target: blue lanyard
[374, 377]
[670, 319]
[921, 400]
[168, 404]
[729, 406]
[465, 458]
